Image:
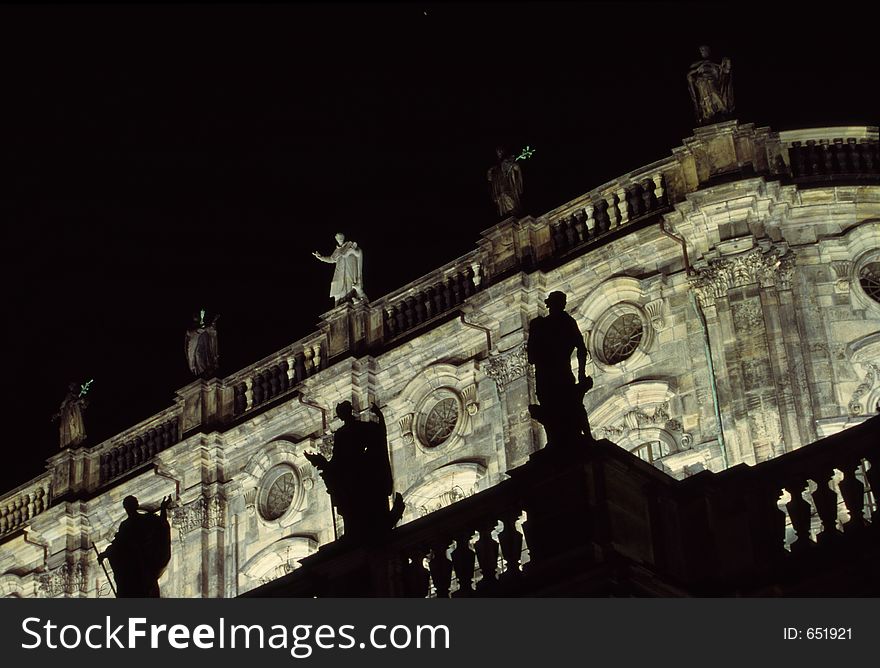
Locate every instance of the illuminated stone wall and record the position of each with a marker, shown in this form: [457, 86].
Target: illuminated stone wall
[766, 338]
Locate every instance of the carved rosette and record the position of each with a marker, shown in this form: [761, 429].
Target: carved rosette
[506, 367]
[68, 579]
[772, 268]
[200, 514]
[469, 398]
[842, 269]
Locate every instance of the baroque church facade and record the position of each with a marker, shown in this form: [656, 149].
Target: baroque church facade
[729, 295]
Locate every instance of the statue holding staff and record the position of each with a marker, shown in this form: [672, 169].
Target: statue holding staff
[71, 426]
[711, 88]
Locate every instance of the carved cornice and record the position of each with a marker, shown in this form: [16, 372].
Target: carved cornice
[766, 268]
[66, 579]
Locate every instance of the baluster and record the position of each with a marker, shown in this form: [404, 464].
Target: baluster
[399, 318]
[867, 156]
[634, 201]
[590, 222]
[316, 351]
[825, 499]
[580, 226]
[248, 394]
[456, 290]
[290, 379]
[438, 299]
[258, 389]
[466, 283]
[388, 320]
[799, 512]
[649, 200]
[511, 544]
[659, 191]
[812, 158]
[430, 296]
[622, 206]
[853, 492]
[797, 159]
[558, 236]
[29, 507]
[612, 211]
[408, 311]
[238, 400]
[300, 363]
[274, 387]
[308, 361]
[447, 295]
[839, 152]
[417, 580]
[827, 157]
[441, 569]
[464, 559]
[487, 556]
[873, 481]
[853, 154]
[420, 308]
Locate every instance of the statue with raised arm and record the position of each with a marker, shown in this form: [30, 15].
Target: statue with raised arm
[71, 426]
[711, 88]
[552, 340]
[358, 477]
[506, 184]
[347, 284]
[140, 551]
[202, 352]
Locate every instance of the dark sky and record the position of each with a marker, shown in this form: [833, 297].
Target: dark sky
[160, 159]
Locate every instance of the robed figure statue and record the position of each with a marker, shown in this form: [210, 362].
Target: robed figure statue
[711, 88]
[506, 184]
[347, 281]
[71, 426]
[140, 551]
[358, 477]
[202, 351]
[552, 339]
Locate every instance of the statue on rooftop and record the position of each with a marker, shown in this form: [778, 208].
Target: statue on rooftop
[506, 184]
[711, 88]
[202, 352]
[552, 339]
[72, 429]
[358, 477]
[347, 284]
[140, 550]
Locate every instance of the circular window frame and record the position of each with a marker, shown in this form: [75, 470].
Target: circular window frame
[426, 405]
[268, 480]
[863, 298]
[603, 324]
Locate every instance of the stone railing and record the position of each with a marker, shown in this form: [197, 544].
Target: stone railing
[823, 153]
[430, 297]
[613, 206]
[20, 506]
[138, 445]
[277, 375]
[600, 521]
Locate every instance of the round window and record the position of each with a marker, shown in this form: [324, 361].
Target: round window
[278, 491]
[869, 278]
[622, 338]
[439, 418]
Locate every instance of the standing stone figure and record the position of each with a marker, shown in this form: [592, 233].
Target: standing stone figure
[202, 352]
[347, 281]
[358, 477]
[552, 339]
[506, 184]
[140, 551]
[72, 428]
[711, 88]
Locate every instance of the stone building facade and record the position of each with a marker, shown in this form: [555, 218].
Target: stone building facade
[730, 300]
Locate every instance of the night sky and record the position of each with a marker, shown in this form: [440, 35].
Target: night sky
[159, 160]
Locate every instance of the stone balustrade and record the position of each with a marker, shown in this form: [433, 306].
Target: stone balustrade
[835, 157]
[429, 299]
[611, 207]
[138, 446]
[20, 506]
[277, 375]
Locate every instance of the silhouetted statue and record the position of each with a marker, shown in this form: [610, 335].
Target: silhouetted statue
[358, 478]
[347, 283]
[202, 351]
[506, 184]
[140, 551]
[71, 426]
[711, 88]
[552, 339]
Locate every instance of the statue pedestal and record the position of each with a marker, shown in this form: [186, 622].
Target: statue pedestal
[202, 405]
[347, 328]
